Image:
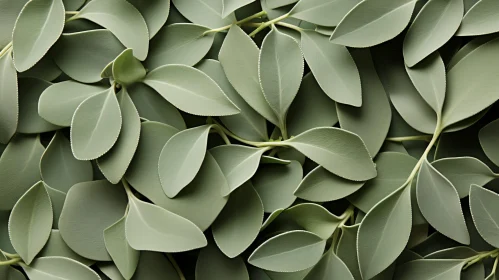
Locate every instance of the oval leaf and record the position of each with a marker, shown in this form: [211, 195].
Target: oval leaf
[207, 13]
[329, 267]
[483, 204]
[314, 218]
[488, 137]
[56, 247]
[213, 264]
[125, 258]
[481, 19]
[155, 13]
[127, 69]
[9, 96]
[48, 268]
[430, 269]
[320, 12]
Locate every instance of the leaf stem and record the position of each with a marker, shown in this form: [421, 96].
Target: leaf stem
[71, 13]
[10, 262]
[10, 256]
[251, 143]
[426, 138]
[268, 23]
[472, 260]
[127, 188]
[175, 265]
[221, 133]
[223, 28]
[6, 49]
[290, 26]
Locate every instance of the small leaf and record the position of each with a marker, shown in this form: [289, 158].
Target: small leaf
[321, 12]
[384, 22]
[440, 205]
[329, 267]
[181, 158]
[127, 69]
[213, 264]
[56, 247]
[339, 151]
[314, 218]
[155, 13]
[30, 222]
[238, 163]
[38, 26]
[96, 125]
[207, 13]
[488, 137]
[333, 68]
[347, 249]
[289, 252]
[481, 19]
[155, 266]
[240, 221]
[146, 229]
[121, 18]
[9, 96]
[483, 204]
[48, 268]
[125, 258]
[430, 269]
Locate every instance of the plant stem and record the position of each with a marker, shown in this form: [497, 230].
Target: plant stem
[175, 265]
[127, 189]
[284, 130]
[6, 49]
[251, 143]
[472, 260]
[268, 23]
[221, 133]
[290, 26]
[11, 261]
[71, 13]
[426, 138]
[11, 256]
[216, 30]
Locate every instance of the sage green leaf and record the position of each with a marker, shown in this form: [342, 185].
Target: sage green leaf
[298, 275]
[182, 43]
[58, 157]
[273, 160]
[314, 218]
[56, 247]
[10, 11]
[122, 19]
[9, 96]
[458, 252]
[146, 229]
[460, 102]
[142, 173]
[480, 19]
[73, 5]
[482, 204]
[190, 90]
[90, 208]
[181, 158]
[127, 69]
[321, 12]
[207, 13]
[428, 78]
[240, 221]
[239, 59]
[440, 205]
[288, 252]
[30, 222]
[96, 125]
[37, 27]
[321, 185]
[274, 215]
[238, 163]
[462, 172]
[109, 271]
[48, 268]
[154, 266]
[230, 6]
[347, 249]
[488, 137]
[248, 124]
[45, 69]
[329, 267]
[30, 90]
[125, 258]
[115, 162]
[430, 269]
[213, 264]
[372, 120]
[272, 4]
[57, 198]
[427, 33]
[280, 70]
[83, 55]
[339, 151]
[154, 12]
[19, 168]
[384, 232]
[59, 101]
[468, 49]
[333, 68]
[5, 243]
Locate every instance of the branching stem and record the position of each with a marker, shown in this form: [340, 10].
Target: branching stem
[472, 260]
[11, 261]
[223, 28]
[426, 138]
[268, 23]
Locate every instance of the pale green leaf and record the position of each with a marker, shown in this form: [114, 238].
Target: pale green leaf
[154, 266]
[329, 267]
[155, 13]
[468, 49]
[481, 19]
[45, 69]
[204, 12]
[10, 11]
[50, 268]
[347, 249]
[229, 6]
[321, 12]
[430, 269]
[56, 247]
[72, 5]
[483, 204]
[9, 107]
[214, 265]
[274, 215]
[272, 4]
[314, 218]
[127, 69]
[57, 198]
[125, 258]
[488, 137]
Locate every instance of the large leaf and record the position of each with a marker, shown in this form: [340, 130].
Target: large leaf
[127, 69]
[30, 222]
[430, 269]
[488, 137]
[347, 249]
[155, 13]
[207, 13]
[10, 11]
[314, 218]
[483, 205]
[48, 268]
[333, 68]
[322, 12]
[339, 151]
[9, 108]
[329, 267]
[38, 26]
[213, 264]
[56, 247]
[124, 256]
[481, 19]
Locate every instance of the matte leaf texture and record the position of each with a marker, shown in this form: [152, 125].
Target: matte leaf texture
[127, 69]
[155, 13]
[480, 19]
[207, 13]
[483, 204]
[213, 264]
[322, 12]
[48, 268]
[330, 267]
[154, 266]
[10, 11]
[430, 269]
[125, 258]
[37, 28]
[314, 218]
[56, 247]
[9, 106]
[488, 137]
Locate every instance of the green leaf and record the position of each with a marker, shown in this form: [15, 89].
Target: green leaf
[321, 12]
[428, 78]
[347, 249]
[89, 209]
[181, 158]
[9, 96]
[329, 267]
[384, 232]
[96, 125]
[146, 229]
[122, 19]
[480, 19]
[182, 43]
[321, 185]
[57, 198]
[190, 90]
[48, 268]
[368, 24]
[372, 120]
[213, 264]
[45, 69]
[462, 172]
[333, 68]
[19, 168]
[272, 4]
[483, 204]
[127, 69]
[430, 269]
[59, 101]
[38, 26]
[274, 215]
[56, 247]
[5, 243]
[339, 151]
[30, 222]
[240, 221]
[125, 258]
[83, 55]
[440, 205]
[10, 11]
[238, 163]
[427, 33]
[488, 136]
[239, 59]
[58, 157]
[207, 13]
[468, 49]
[276, 183]
[155, 13]
[154, 266]
[109, 271]
[72, 5]
[314, 218]
[289, 252]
